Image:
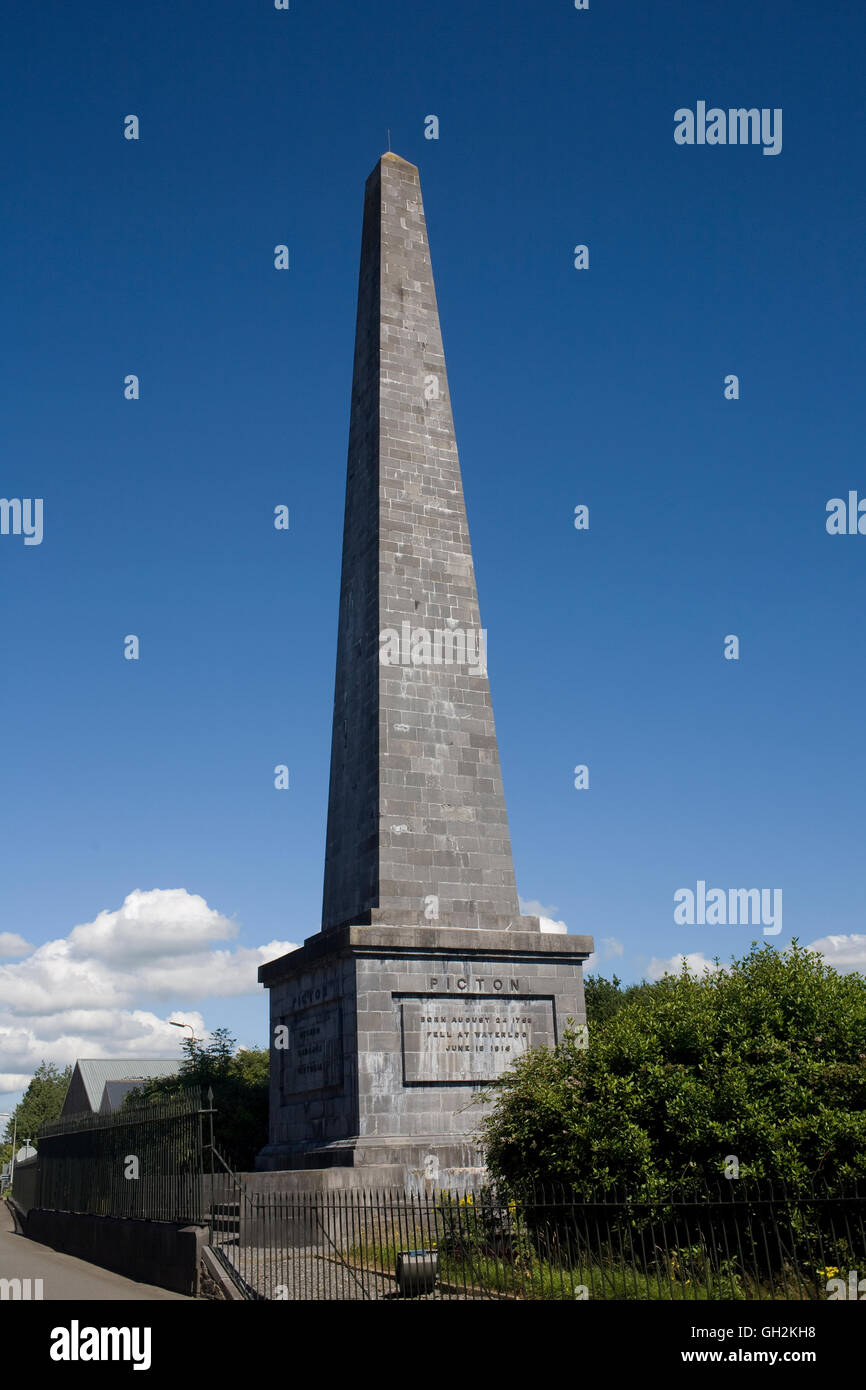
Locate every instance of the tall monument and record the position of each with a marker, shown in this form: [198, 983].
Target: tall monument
[425, 981]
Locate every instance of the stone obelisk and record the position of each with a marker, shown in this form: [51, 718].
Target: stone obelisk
[424, 981]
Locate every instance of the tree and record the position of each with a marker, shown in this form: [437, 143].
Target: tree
[763, 1061]
[206, 1063]
[604, 997]
[41, 1102]
[239, 1080]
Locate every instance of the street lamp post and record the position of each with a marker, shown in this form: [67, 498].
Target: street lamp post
[192, 1037]
[174, 1023]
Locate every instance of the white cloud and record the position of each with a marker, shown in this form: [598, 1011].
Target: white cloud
[219, 973]
[77, 996]
[159, 923]
[610, 949]
[11, 1081]
[155, 944]
[530, 907]
[696, 961]
[11, 944]
[843, 953]
[547, 924]
[49, 978]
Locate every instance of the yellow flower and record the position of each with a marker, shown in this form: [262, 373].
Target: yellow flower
[830, 1272]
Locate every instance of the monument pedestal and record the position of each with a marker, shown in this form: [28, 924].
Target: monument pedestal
[381, 1037]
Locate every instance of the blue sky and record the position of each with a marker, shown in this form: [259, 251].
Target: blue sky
[603, 387]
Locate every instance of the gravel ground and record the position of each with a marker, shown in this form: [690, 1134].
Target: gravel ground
[305, 1272]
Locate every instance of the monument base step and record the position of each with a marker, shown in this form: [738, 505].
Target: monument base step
[419, 1166]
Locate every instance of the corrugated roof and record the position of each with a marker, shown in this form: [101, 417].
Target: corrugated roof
[96, 1071]
[114, 1093]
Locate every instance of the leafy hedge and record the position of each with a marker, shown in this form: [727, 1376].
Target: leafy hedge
[763, 1060]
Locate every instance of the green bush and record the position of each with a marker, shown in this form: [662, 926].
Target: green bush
[764, 1060]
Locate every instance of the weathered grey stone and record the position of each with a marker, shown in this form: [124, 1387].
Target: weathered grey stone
[425, 982]
[403, 1076]
[407, 558]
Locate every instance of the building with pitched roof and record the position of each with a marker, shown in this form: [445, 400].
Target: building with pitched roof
[93, 1077]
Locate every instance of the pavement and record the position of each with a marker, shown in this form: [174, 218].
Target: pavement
[65, 1276]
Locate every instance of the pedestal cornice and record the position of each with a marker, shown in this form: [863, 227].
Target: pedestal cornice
[434, 942]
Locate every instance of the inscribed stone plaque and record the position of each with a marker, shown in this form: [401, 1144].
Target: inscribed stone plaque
[313, 1059]
[460, 1039]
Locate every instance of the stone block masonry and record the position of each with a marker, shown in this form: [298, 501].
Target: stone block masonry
[397, 1029]
[425, 982]
[416, 806]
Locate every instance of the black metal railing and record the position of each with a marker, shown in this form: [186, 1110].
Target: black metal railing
[228, 1208]
[736, 1242]
[144, 1160]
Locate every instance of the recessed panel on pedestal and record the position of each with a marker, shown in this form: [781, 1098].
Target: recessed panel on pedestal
[312, 1059]
[460, 1040]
